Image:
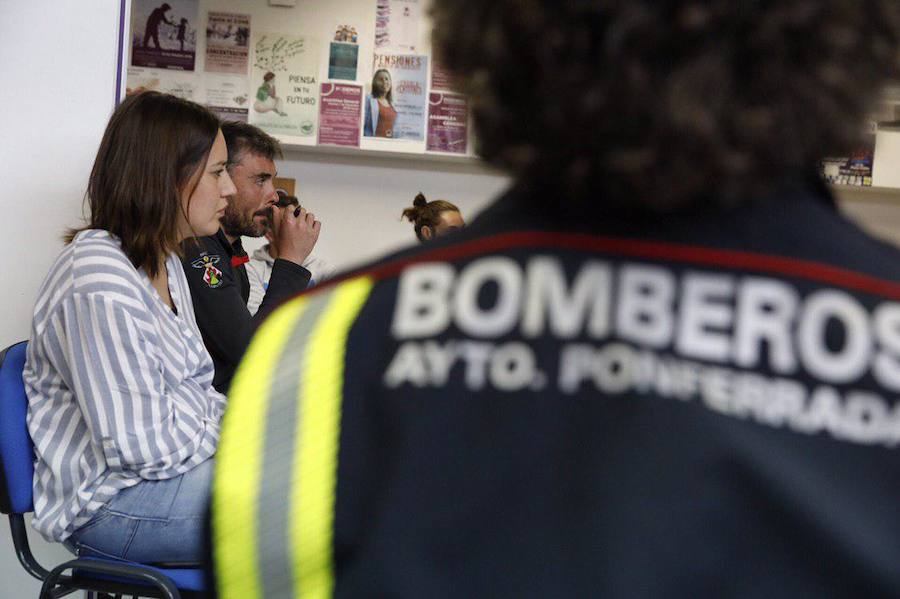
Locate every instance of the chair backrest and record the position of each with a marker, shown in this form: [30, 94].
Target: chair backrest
[16, 448]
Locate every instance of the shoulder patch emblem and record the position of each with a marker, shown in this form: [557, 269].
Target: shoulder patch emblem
[212, 276]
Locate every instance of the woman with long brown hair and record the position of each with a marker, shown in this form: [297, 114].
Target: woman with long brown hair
[122, 410]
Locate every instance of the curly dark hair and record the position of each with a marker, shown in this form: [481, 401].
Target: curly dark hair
[657, 103]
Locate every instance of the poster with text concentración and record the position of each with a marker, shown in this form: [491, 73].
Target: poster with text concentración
[164, 34]
[227, 43]
[284, 84]
[395, 105]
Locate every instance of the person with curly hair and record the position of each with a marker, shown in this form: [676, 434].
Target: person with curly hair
[661, 364]
[433, 219]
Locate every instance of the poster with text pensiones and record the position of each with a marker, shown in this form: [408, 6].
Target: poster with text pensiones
[284, 83]
[227, 43]
[164, 34]
[395, 105]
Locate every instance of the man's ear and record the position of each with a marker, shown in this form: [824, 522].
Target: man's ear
[427, 233]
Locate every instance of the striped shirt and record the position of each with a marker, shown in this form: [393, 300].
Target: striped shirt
[119, 386]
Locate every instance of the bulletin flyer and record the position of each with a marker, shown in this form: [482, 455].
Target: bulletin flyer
[339, 112]
[284, 84]
[227, 43]
[397, 24]
[342, 61]
[448, 122]
[409, 82]
[440, 78]
[227, 96]
[164, 34]
[165, 81]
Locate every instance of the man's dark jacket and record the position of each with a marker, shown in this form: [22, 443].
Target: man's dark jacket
[216, 273]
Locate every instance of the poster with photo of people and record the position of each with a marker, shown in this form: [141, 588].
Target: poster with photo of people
[396, 101]
[164, 34]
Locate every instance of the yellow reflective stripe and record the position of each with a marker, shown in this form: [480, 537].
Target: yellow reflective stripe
[239, 459]
[315, 472]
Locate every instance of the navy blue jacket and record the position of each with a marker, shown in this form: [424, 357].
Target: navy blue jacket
[554, 405]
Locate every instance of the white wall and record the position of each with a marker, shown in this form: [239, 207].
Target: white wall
[875, 209]
[359, 200]
[57, 85]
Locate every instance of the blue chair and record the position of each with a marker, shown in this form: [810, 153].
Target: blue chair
[16, 473]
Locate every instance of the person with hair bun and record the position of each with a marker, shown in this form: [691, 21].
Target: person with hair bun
[433, 219]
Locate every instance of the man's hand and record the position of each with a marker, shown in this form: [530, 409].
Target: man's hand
[295, 237]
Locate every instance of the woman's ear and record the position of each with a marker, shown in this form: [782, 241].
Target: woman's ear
[427, 233]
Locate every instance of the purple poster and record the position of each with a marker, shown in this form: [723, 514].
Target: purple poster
[339, 110]
[448, 122]
[440, 78]
[164, 34]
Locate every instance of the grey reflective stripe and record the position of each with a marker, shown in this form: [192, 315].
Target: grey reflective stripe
[278, 460]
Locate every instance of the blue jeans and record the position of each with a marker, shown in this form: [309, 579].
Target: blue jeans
[153, 521]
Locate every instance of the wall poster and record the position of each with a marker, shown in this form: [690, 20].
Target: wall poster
[164, 34]
[342, 59]
[339, 110]
[395, 105]
[397, 24]
[448, 122]
[177, 83]
[227, 96]
[284, 80]
[310, 72]
[227, 43]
